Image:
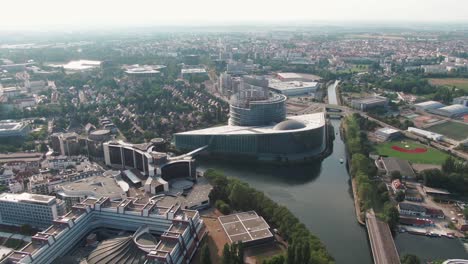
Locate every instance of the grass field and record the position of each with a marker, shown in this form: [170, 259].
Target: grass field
[455, 130]
[432, 156]
[461, 83]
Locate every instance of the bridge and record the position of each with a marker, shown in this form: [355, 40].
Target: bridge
[191, 153]
[381, 241]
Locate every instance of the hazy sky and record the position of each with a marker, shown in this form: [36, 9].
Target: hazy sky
[27, 14]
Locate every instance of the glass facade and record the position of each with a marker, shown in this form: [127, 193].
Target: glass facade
[258, 113]
[284, 143]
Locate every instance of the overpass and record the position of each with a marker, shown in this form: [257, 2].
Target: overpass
[381, 241]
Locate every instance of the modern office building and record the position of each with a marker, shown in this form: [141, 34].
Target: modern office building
[177, 232]
[246, 227]
[367, 103]
[190, 72]
[293, 88]
[256, 106]
[296, 138]
[11, 128]
[150, 163]
[33, 209]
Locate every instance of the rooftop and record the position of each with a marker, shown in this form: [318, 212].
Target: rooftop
[27, 198]
[246, 226]
[291, 85]
[309, 121]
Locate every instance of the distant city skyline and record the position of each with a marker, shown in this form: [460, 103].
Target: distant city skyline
[50, 14]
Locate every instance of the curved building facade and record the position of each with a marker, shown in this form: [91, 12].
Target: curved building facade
[296, 138]
[257, 112]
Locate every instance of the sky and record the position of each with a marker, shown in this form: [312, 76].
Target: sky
[43, 14]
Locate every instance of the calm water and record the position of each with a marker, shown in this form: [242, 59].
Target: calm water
[320, 196]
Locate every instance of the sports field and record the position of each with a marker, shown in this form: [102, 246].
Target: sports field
[455, 130]
[411, 151]
[461, 83]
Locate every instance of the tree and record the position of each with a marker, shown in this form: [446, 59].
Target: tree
[400, 196]
[391, 215]
[449, 165]
[395, 175]
[410, 259]
[227, 257]
[205, 254]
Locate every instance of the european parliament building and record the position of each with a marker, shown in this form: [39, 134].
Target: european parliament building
[258, 128]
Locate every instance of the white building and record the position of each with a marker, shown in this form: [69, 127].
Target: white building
[33, 209]
[426, 134]
[292, 88]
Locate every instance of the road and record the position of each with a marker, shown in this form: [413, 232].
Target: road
[383, 247]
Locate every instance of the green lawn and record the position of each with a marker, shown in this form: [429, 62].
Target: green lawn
[432, 156]
[461, 83]
[455, 130]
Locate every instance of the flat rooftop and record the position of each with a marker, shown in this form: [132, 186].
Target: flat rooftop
[97, 186]
[245, 227]
[26, 198]
[311, 121]
[291, 85]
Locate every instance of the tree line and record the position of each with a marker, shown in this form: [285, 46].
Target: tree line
[303, 246]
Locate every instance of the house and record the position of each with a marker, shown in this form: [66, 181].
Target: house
[411, 209]
[397, 186]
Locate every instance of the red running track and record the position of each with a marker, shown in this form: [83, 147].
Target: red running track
[416, 150]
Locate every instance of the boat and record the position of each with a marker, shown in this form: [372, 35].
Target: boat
[341, 160]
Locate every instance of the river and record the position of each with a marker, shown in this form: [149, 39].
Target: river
[320, 196]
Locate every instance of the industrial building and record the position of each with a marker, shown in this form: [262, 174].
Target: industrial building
[367, 103]
[428, 105]
[178, 232]
[32, 209]
[392, 164]
[11, 128]
[451, 111]
[426, 134]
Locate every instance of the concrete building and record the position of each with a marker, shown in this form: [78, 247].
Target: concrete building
[198, 72]
[33, 209]
[180, 232]
[11, 128]
[246, 227]
[144, 72]
[367, 103]
[293, 88]
[387, 133]
[67, 144]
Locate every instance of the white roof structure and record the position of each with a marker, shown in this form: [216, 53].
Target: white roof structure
[310, 121]
[79, 65]
[455, 109]
[291, 85]
[26, 198]
[427, 134]
[387, 130]
[429, 105]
